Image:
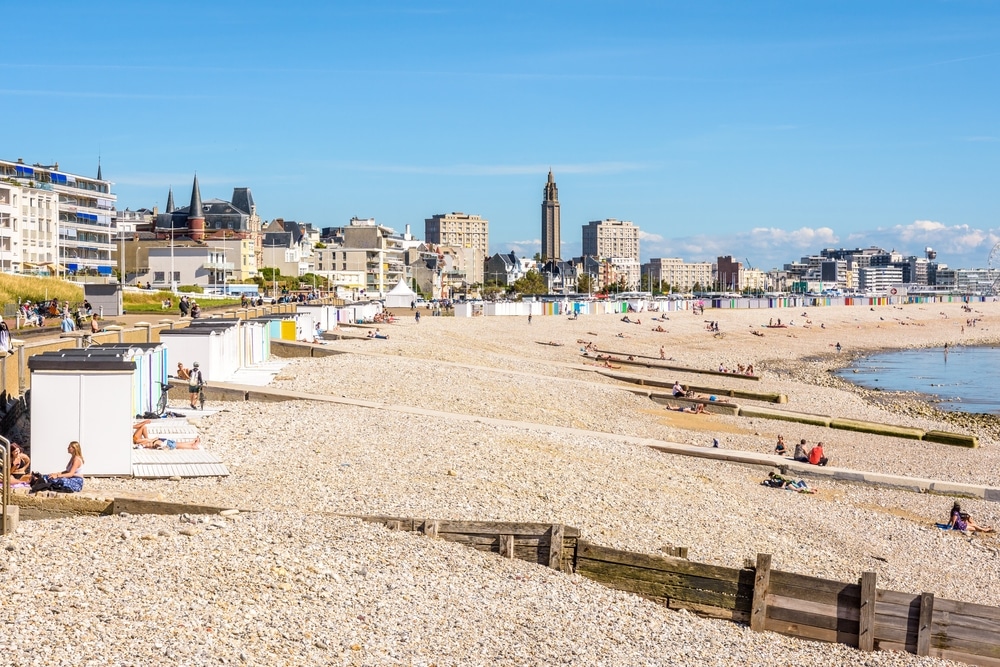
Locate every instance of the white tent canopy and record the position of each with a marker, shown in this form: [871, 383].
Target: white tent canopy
[400, 296]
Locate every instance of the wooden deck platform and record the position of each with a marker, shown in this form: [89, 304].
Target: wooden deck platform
[159, 464]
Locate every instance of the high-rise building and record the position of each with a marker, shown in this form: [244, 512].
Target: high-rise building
[461, 231]
[61, 223]
[611, 238]
[550, 220]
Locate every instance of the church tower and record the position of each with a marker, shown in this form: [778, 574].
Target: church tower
[550, 221]
[196, 217]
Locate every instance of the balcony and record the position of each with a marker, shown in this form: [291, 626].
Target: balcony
[218, 266]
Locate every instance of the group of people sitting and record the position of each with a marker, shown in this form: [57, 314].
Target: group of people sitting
[740, 369]
[68, 480]
[803, 454]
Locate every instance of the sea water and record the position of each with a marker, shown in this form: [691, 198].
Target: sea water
[961, 378]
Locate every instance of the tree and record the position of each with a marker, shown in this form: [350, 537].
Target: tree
[531, 283]
[584, 283]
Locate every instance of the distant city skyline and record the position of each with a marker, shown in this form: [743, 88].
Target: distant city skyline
[766, 132]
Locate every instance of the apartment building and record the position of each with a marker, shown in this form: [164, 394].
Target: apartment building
[461, 231]
[53, 220]
[611, 238]
[676, 274]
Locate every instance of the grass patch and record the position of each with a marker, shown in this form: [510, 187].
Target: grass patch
[14, 289]
[152, 302]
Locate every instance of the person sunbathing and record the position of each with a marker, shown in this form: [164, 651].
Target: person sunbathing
[963, 521]
[659, 329]
[693, 410]
[142, 439]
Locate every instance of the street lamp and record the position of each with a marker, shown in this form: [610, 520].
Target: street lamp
[137, 249]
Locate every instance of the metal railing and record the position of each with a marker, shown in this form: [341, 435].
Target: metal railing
[5, 494]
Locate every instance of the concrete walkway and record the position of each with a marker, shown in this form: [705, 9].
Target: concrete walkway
[768, 461]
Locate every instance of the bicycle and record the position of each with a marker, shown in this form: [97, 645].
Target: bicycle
[201, 396]
[161, 404]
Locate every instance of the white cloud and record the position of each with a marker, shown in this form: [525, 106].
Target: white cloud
[649, 237]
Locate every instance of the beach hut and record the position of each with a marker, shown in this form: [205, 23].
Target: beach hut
[400, 296]
[151, 373]
[214, 344]
[87, 396]
[324, 316]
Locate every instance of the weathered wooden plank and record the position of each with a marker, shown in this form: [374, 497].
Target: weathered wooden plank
[507, 546]
[758, 608]
[962, 656]
[812, 588]
[462, 538]
[961, 625]
[866, 612]
[668, 578]
[680, 565]
[924, 623]
[967, 609]
[430, 527]
[988, 648]
[823, 621]
[895, 634]
[958, 636]
[556, 545]
[896, 613]
[810, 632]
[656, 590]
[709, 611]
[810, 607]
[897, 598]
[502, 527]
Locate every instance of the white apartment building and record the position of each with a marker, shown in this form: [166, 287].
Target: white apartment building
[73, 213]
[29, 223]
[370, 259]
[678, 274]
[879, 279]
[611, 238]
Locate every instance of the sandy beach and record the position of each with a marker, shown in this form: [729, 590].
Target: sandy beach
[290, 583]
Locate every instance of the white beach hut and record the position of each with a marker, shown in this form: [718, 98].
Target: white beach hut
[214, 344]
[87, 396]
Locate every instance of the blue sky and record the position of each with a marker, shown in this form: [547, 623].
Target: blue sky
[765, 130]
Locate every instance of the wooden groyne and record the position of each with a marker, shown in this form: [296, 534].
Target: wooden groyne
[858, 614]
[623, 358]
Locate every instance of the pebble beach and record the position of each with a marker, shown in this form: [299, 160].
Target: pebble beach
[290, 580]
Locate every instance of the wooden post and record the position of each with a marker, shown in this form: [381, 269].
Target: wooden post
[556, 546]
[761, 581]
[393, 525]
[430, 528]
[507, 546]
[924, 624]
[866, 624]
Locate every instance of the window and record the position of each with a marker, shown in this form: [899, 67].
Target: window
[158, 276]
